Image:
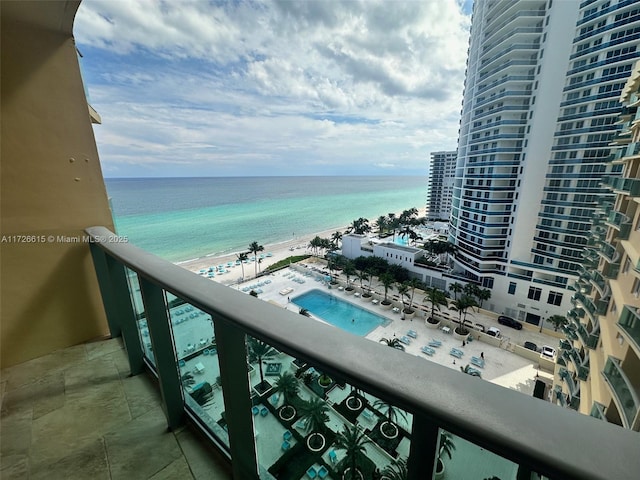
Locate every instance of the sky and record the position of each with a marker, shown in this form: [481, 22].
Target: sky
[254, 88]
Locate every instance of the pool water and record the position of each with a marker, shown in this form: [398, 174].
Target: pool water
[339, 313]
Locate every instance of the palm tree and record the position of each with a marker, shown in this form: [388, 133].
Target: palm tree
[394, 224]
[436, 297]
[397, 470]
[353, 441]
[314, 414]
[359, 226]
[387, 281]
[259, 351]
[403, 291]
[287, 385]
[315, 244]
[390, 411]
[393, 343]
[483, 295]
[413, 284]
[381, 223]
[335, 238]
[305, 312]
[456, 288]
[557, 321]
[446, 448]
[461, 306]
[255, 248]
[362, 276]
[242, 257]
[349, 269]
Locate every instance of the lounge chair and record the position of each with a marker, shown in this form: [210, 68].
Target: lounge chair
[429, 351]
[322, 472]
[412, 334]
[264, 411]
[255, 410]
[333, 457]
[478, 362]
[406, 340]
[456, 353]
[286, 445]
[435, 343]
[311, 472]
[286, 435]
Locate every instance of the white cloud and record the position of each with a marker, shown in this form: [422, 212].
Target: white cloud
[354, 86]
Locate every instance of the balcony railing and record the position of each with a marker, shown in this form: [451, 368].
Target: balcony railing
[628, 186]
[620, 222]
[623, 393]
[629, 323]
[158, 307]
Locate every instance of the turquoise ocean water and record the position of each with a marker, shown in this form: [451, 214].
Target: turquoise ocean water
[182, 219]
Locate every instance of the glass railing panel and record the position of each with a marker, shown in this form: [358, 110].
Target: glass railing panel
[621, 387]
[199, 369]
[140, 314]
[630, 323]
[459, 458]
[304, 418]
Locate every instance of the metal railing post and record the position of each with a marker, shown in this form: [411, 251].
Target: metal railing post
[164, 352]
[106, 288]
[234, 375]
[423, 454]
[126, 314]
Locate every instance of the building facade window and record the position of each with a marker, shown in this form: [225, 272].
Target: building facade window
[534, 293]
[555, 298]
[512, 288]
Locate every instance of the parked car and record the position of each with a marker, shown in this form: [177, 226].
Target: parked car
[494, 332]
[548, 352]
[509, 322]
[530, 346]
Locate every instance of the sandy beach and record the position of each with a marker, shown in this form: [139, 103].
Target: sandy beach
[278, 251]
[298, 245]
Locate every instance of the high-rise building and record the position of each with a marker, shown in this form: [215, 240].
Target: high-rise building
[441, 177]
[599, 368]
[540, 103]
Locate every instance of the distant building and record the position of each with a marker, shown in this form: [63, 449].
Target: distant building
[539, 112]
[440, 191]
[411, 258]
[598, 370]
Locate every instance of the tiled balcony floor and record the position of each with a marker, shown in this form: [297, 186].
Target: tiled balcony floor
[77, 414]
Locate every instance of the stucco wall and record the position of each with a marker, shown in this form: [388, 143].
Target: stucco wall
[51, 187]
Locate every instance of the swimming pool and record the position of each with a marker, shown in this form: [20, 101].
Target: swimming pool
[339, 313]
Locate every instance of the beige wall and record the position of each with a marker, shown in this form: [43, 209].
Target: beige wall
[51, 185]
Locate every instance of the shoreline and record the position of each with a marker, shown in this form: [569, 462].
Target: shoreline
[279, 251]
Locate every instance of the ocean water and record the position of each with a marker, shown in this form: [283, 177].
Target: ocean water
[182, 219]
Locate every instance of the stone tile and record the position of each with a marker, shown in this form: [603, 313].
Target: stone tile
[43, 396]
[204, 462]
[121, 362]
[142, 395]
[141, 448]
[103, 347]
[88, 462]
[28, 372]
[176, 469]
[96, 374]
[14, 467]
[15, 432]
[89, 412]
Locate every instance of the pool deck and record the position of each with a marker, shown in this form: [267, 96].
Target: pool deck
[502, 367]
[194, 329]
